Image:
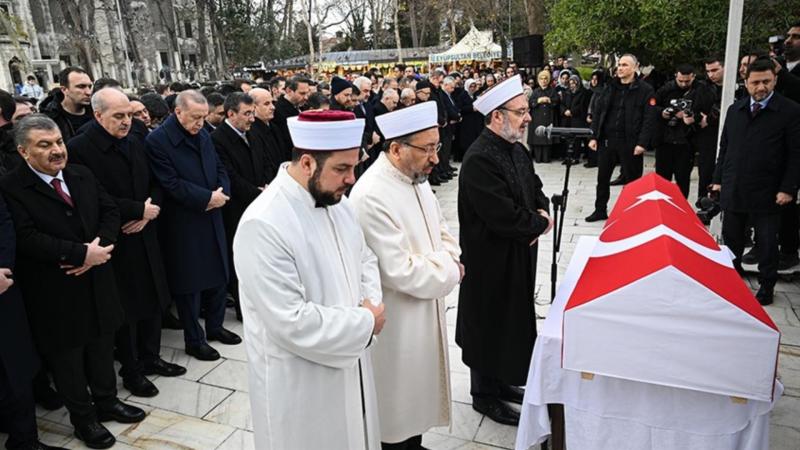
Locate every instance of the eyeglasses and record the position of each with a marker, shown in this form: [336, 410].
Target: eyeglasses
[430, 150]
[519, 112]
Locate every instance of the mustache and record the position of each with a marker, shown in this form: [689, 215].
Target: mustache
[57, 157]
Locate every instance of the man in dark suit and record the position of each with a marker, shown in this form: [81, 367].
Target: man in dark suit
[758, 170]
[246, 162]
[297, 92]
[66, 225]
[118, 159]
[196, 186]
[788, 85]
[263, 130]
[18, 361]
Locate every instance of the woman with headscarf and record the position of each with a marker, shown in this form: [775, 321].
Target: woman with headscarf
[574, 108]
[596, 84]
[471, 120]
[544, 103]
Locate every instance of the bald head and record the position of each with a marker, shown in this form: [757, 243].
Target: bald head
[265, 109]
[113, 111]
[102, 98]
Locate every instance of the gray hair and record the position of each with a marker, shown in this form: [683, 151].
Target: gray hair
[438, 72]
[358, 82]
[390, 91]
[189, 95]
[408, 92]
[631, 56]
[99, 100]
[448, 80]
[35, 121]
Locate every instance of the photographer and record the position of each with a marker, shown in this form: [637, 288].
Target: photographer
[680, 105]
[758, 169]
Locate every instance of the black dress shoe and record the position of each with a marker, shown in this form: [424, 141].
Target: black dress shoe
[140, 386]
[224, 336]
[597, 216]
[619, 181]
[94, 435]
[120, 412]
[47, 398]
[751, 257]
[163, 368]
[590, 165]
[765, 295]
[786, 262]
[203, 352]
[170, 322]
[512, 394]
[434, 181]
[496, 410]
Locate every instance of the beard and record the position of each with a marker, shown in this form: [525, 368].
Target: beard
[510, 134]
[321, 197]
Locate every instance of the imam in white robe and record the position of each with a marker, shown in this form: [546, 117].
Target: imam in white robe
[403, 224]
[303, 272]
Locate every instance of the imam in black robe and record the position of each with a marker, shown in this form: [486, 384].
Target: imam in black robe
[498, 198]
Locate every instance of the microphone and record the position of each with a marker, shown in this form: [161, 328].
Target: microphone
[551, 131]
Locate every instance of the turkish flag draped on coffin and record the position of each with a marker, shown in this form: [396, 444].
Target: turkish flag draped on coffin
[660, 302]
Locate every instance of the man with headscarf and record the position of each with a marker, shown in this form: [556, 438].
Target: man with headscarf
[418, 259]
[311, 296]
[500, 203]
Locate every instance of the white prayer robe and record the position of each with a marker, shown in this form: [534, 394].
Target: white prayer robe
[404, 226]
[302, 273]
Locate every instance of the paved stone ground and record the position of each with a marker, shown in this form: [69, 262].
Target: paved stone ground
[208, 407]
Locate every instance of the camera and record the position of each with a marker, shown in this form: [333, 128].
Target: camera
[675, 105]
[709, 208]
[777, 45]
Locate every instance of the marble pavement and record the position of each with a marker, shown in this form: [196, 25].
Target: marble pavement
[208, 408]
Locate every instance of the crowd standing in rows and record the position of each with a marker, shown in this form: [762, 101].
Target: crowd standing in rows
[117, 210]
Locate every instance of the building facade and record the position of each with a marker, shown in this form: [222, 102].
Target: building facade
[138, 42]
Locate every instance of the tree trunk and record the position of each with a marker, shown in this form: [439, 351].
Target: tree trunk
[451, 19]
[535, 13]
[202, 39]
[412, 21]
[397, 30]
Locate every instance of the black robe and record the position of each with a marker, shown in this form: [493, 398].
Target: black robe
[122, 167]
[542, 114]
[498, 197]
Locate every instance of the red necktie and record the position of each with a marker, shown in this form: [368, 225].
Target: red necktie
[756, 109]
[57, 186]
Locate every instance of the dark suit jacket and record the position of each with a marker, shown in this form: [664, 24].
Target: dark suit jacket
[273, 147]
[123, 169]
[247, 167]
[65, 311]
[789, 83]
[17, 354]
[759, 157]
[284, 110]
[192, 239]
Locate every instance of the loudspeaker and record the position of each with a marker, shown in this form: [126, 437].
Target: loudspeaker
[529, 51]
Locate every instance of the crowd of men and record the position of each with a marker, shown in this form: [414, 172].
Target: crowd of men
[117, 209]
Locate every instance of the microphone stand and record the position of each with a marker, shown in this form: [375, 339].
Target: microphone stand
[559, 202]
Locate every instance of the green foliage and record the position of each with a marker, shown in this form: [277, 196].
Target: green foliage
[661, 32]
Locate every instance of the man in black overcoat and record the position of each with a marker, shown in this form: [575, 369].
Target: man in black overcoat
[502, 211]
[117, 157]
[758, 170]
[66, 226]
[265, 131]
[297, 92]
[247, 166]
[18, 361]
[191, 229]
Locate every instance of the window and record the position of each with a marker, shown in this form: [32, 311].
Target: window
[187, 26]
[193, 60]
[164, 59]
[66, 58]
